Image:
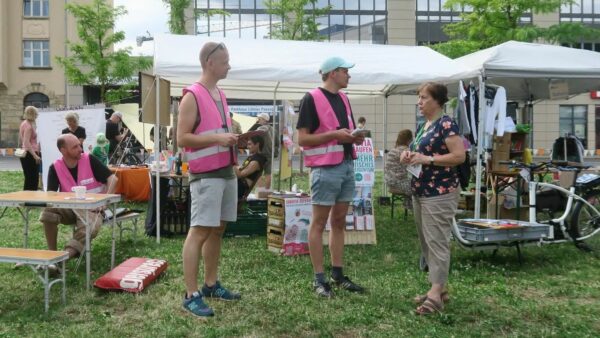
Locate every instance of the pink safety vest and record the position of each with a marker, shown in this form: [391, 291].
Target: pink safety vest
[214, 156]
[330, 153]
[85, 176]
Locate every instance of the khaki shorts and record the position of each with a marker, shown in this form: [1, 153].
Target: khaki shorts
[213, 200]
[68, 217]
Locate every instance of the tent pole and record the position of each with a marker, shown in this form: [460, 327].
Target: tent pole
[275, 115]
[480, 150]
[385, 122]
[157, 158]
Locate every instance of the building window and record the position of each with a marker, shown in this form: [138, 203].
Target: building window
[594, 46]
[36, 8]
[362, 21]
[586, 11]
[573, 120]
[36, 53]
[37, 100]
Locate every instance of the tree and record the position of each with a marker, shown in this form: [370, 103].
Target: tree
[492, 22]
[177, 18]
[93, 60]
[296, 22]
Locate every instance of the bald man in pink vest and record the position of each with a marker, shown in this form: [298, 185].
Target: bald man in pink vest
[325, 126]
[75, 168]
[204, 129]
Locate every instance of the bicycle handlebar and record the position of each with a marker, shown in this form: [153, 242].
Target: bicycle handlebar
[556, 164]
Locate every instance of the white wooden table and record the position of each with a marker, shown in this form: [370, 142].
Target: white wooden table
[24, 201]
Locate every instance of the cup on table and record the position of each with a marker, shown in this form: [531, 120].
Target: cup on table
[79, 192]
[184, 167]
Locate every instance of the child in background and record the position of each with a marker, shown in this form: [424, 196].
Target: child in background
[101, 148]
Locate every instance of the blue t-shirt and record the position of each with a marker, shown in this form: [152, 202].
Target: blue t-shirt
[435, 180]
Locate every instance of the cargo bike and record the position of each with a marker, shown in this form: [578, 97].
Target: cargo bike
[556, 215]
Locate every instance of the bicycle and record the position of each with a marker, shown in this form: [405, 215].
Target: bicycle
[580, 219]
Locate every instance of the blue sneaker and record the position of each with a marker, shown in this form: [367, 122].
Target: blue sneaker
[219, 292]
[197, 306]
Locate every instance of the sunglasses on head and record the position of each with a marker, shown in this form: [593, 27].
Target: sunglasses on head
[220, 45]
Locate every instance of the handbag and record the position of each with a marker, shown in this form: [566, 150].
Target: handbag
[20, 152]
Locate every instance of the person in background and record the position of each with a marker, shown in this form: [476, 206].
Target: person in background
[29, 142]
[203, 130]
[396, 176]
[263, 121]
[101, 149]
[437, 149]
[75, 168]
[236, 127]
[113, 134]
[325, 125]
[74, 128]
[250, 171]
[362, 124]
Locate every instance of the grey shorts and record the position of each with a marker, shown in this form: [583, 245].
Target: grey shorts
[213, 200]
[332, 184]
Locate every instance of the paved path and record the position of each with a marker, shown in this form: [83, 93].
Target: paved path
[10, 163]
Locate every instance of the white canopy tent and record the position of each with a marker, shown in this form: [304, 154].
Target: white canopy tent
[262, 69]
[283, 70]
[526, 71]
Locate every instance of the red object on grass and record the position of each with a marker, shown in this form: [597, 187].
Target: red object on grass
[133, 275]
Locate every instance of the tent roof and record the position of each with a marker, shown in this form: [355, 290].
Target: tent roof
[526, 69]
[259, 67]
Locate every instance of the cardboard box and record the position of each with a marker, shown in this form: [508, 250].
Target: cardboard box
[504, 213]
[497, 157]
[502, 143]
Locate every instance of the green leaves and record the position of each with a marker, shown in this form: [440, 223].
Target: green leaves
[492, 22]
[296, 23]
[92, 59]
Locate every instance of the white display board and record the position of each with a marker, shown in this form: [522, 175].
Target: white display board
[50, 125]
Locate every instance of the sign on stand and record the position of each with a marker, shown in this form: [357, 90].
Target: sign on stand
[360, 220]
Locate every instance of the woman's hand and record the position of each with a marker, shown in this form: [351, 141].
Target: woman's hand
[37, 158]
[418, 158]
[405, 156]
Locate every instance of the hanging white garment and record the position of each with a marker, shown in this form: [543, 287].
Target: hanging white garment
[461, 111]
[496, 109]
[472, 98]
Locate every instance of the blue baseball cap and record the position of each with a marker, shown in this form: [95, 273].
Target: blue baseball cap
[333, 63]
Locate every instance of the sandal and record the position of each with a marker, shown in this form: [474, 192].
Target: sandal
[429, 307]
[421, 298]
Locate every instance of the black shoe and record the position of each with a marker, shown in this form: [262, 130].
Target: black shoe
[346, 284]
[323, 289]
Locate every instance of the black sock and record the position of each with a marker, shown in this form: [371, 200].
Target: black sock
[320, 277]
[337, 273]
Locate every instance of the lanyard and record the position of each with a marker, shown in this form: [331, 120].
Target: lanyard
[422, 133]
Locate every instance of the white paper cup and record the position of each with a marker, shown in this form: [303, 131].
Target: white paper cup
[79, 192]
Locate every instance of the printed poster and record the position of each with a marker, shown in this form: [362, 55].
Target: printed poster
[298, 213]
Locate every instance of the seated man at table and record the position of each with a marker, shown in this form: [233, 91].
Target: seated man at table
[75, 168]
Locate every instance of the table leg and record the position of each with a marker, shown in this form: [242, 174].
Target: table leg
[64, 283]
[88, 259]
[112, 252]
[25, 216]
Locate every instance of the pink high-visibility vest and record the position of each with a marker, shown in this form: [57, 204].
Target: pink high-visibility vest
[214, 156]
[85, 175]
[330, 153]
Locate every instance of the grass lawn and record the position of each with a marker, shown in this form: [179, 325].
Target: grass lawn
[555, 292]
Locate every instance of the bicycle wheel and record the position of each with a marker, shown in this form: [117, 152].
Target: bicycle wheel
[584, 221]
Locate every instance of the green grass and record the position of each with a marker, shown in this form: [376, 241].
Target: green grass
[555, 292]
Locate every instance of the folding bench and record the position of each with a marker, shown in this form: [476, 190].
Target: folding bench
[132, 216]
[42, 258]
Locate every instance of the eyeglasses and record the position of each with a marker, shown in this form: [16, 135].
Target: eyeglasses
[220, 45]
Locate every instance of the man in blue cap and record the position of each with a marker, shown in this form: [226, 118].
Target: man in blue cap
[325, 126]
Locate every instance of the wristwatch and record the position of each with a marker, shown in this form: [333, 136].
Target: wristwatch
[430, 160]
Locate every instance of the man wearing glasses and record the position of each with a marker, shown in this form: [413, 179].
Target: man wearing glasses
[325, 126]
[204, 130]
